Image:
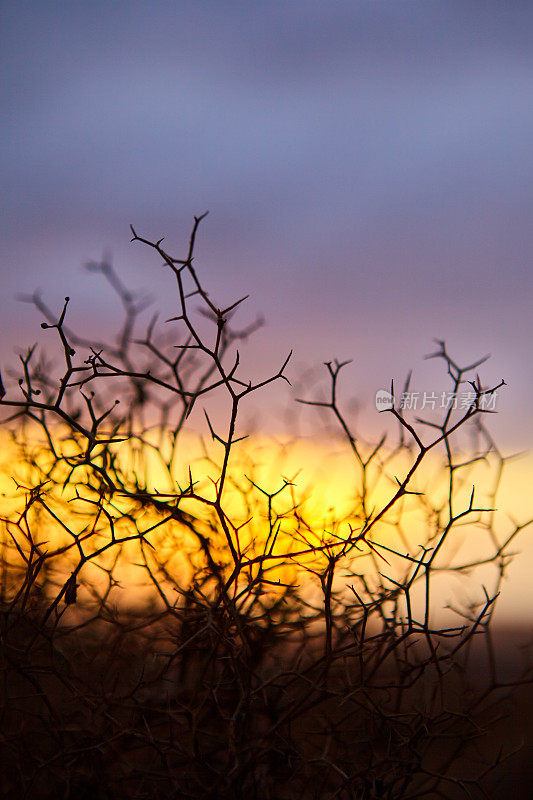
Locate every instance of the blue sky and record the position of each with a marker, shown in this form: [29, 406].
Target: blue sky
[367, 167]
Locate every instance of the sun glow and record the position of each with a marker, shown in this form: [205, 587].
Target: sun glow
[287, 506]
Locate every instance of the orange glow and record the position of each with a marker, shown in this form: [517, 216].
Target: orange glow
[318, 506]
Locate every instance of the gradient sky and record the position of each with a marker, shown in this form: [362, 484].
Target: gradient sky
[367, 167]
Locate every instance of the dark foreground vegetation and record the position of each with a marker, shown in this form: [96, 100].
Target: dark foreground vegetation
[272, 656]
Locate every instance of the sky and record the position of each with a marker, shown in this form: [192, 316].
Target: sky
[367, 166]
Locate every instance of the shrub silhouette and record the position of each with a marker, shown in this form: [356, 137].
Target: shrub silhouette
[269, 655]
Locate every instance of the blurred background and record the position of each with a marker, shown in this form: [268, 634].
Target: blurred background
[367, 167]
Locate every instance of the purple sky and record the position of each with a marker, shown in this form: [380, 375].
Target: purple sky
[367, 167]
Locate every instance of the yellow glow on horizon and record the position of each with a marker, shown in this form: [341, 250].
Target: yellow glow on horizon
[322, 479]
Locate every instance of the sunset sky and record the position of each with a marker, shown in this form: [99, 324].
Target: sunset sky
[367, 167]
[209, 587]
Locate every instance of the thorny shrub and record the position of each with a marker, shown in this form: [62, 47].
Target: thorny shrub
[268, 655]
